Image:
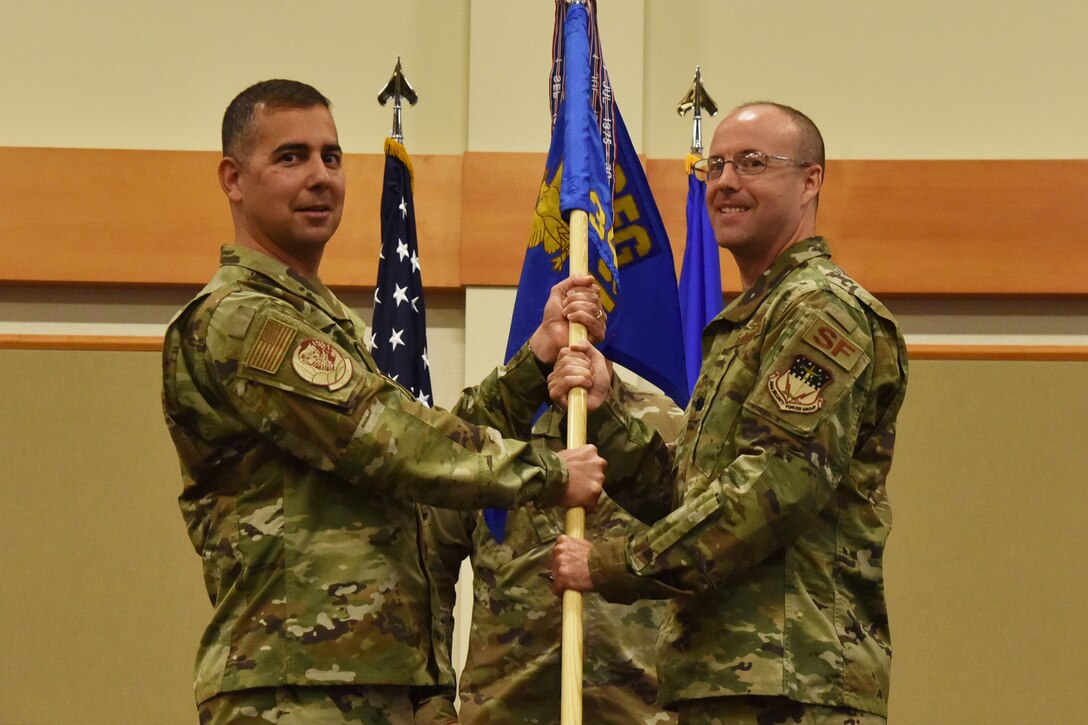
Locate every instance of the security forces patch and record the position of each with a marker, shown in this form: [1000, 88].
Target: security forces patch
[797, 389]
[834, 344]
[321, 363]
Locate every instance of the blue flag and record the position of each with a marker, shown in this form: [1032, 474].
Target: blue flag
[592, 165]
[398, 336]
[586, 148]
[632, 258]
[700, 277]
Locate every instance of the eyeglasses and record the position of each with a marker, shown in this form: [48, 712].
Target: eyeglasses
[745, 163]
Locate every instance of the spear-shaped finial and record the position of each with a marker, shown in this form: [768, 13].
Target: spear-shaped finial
[397, 88]
[699, 100]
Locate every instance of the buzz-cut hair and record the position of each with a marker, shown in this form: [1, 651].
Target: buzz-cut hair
[240, 119]
[811, 144]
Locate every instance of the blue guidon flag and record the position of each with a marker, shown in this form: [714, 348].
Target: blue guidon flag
[592, 165]
[701, 275]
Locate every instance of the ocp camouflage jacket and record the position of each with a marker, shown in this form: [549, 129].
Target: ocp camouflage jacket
[512, 671]
[771, 526]
[301, 466]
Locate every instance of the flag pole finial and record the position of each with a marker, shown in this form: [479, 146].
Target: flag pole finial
[397, 88]
[697, 100]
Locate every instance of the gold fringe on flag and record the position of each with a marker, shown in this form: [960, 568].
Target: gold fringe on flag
[396, 148]
[688, 162]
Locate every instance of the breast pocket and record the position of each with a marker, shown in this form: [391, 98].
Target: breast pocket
[528, 527]
[725, 381]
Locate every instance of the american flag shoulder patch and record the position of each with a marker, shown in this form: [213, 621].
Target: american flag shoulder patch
[271, 346]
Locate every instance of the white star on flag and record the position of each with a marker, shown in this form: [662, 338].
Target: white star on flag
[396, 339]
[399, 294]
[402, 249]
[415, 262]
[403, 208]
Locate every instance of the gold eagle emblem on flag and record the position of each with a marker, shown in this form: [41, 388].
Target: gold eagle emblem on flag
[549, 228]
[552, 231]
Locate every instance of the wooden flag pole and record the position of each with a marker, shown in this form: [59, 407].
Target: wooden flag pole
[571, 710]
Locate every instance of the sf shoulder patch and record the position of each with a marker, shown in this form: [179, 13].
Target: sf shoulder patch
[833, 343]
[321, 363]
[272, 344]
[797, 389]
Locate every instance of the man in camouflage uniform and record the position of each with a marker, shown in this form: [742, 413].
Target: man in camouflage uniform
[770, 541]
[301, 461]
[513, 670]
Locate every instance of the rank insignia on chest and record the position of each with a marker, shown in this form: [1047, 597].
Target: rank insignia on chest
[322, 363]
[797, 390]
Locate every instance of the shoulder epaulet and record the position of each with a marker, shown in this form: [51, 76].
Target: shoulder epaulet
[845, 287]
[206, 301]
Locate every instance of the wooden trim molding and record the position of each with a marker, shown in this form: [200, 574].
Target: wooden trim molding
[124, 217]
[120, 343]
[1053, 353]
[99, 343]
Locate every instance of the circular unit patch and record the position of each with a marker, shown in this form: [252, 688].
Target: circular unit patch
[321, 363]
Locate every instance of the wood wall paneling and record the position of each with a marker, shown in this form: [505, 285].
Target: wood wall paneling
[109, 216]
[102, 216]
[960, 227]
[97, 216]
[118, 343]
[500, 191]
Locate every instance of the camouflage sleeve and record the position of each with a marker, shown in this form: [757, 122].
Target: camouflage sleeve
[447, 541]
[435, 710]
[312, 393]
[508, 398]
[785, 452]
[639, 455]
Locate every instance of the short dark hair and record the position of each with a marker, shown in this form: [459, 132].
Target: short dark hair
[811, 147]
[240, 119]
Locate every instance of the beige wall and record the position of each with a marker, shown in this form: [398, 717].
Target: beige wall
[102, 597]
[884, 79]
[103, 601]
[158, 75]
[921, 79]
[986, 562]
[101, 593]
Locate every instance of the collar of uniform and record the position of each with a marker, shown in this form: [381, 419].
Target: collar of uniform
[793, 257]
[283, 276]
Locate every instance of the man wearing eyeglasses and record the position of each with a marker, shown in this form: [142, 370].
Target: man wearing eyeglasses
[772, 557]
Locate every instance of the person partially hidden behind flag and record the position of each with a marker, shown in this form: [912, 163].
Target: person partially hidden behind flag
[512, 672]
[302, 464]
[772, 559]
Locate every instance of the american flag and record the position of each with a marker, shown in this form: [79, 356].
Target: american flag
[398, 338]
